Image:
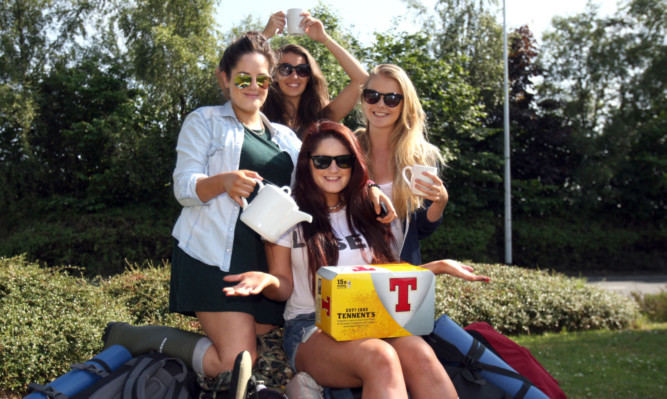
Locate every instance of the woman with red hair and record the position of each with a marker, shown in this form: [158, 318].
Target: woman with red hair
[330, 184]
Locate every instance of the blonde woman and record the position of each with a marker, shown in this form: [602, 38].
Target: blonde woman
[395, 137]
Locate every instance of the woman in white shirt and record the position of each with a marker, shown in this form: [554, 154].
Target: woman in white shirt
[221, 152]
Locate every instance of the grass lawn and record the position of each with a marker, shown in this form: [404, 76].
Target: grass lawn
[605, 364]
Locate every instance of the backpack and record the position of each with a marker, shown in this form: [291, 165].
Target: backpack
[476, 371]
[518, 357]
[152, 375]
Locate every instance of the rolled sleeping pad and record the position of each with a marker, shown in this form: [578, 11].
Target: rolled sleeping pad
[82, 375]
[447, 329]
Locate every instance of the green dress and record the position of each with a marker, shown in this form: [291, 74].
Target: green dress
[198, 287]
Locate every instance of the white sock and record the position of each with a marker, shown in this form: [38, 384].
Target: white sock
[198, 355]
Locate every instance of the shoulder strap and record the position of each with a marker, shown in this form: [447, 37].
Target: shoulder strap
[475, 353]
[93, 366]
[447, 353]
[100, 369]
[47, 391]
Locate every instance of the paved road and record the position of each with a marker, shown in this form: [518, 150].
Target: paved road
[627, 284]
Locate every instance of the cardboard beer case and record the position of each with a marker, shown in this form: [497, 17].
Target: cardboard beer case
[375, 301]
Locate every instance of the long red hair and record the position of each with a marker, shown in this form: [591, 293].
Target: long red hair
[318, 236]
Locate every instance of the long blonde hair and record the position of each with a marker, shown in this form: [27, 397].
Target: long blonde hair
[408, 141]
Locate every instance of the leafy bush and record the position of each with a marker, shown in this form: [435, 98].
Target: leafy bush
[50, 320]
[576, 245]
[524, 301]
[144, 292]
[654, 306]
[100, 243]
[588, 245]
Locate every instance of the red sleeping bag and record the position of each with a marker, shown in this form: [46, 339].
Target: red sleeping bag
[518, 357]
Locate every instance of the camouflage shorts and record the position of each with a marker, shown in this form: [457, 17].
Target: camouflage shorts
[216, 387]
[272, 365]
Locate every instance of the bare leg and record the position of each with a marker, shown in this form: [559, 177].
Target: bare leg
[231, 333]
[424, 375]
[371, 363]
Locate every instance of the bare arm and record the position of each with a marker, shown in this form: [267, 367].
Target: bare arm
[237, 184]
[276, 285]
[275, 25]
[340, 106]
[454, 268]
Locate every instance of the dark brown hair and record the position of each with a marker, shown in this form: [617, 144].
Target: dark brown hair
[251, 42]
[313, 100]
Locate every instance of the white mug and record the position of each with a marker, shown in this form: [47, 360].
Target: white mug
[416, 173]
[272, 212]
[294, 19]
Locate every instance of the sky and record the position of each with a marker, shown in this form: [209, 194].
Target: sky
[367, 17]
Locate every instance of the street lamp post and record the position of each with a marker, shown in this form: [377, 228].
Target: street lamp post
[508, 177]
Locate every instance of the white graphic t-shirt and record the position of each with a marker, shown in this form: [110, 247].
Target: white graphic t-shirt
[352, 251]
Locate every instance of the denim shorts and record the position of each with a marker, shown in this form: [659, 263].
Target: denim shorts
[296, 331]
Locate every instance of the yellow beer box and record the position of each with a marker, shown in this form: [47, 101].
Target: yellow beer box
[375, 301]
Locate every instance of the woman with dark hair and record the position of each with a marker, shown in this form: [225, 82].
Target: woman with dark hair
[299, 93]
[221, 152]
[331, 177]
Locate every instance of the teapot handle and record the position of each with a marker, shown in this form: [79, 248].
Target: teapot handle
[261, 186]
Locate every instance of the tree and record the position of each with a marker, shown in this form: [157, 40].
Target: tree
[543, 157]
[174, 50]
[609, 75]
[468, 29]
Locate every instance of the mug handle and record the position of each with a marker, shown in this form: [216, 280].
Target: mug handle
[261, 186]
[404, 176]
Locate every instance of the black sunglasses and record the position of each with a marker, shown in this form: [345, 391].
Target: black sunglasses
[302, 70]
[391, 100]
[323, 161]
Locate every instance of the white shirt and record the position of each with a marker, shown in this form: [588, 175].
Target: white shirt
[209, 143]
[351, 251]
[396, 225]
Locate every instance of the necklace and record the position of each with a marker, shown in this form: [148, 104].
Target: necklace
[257, 132]
[338, 204]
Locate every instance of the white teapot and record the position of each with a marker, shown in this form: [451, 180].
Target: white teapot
[272, 212]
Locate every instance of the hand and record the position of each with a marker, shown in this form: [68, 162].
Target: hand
[457, 269]
[240, 183]
[313, 28]
[434, 192]
[377, 196]
[249, 283]
[275, 25]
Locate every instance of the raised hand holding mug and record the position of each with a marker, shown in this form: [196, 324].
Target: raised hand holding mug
[294, 19]
[416, 172]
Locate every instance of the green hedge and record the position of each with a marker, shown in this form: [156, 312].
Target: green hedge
[103, 243]
[525, 301]
[52, 318]
[575, 246]
[106, 241]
